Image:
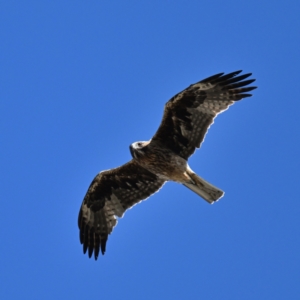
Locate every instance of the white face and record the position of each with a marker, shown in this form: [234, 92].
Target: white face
[136, 149]
[139, 145]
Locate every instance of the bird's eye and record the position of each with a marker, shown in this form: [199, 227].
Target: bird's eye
[140, 144]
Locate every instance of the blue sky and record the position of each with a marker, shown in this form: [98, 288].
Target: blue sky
[80, 81]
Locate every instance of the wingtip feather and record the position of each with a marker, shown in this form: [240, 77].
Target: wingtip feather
[211, 78]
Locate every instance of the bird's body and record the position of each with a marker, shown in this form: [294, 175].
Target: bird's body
[153, 156]
[187, 117]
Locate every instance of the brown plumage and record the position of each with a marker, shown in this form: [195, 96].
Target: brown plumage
[187, 117]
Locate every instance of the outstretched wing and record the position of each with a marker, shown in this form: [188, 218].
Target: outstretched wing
[189, 114]
[110, 194]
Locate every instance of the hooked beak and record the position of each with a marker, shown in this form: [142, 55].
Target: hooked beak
[131, 151]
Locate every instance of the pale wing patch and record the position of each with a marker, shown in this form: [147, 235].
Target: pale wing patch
[213, 107]
[87, 214]
[202, 86]
[116, 205]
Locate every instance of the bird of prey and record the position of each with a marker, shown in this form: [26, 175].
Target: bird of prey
[186, 119]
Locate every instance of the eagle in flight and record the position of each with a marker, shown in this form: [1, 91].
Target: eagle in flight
[186, 119]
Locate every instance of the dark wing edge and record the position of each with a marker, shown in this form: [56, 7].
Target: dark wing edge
[110, 194]
[189, 114]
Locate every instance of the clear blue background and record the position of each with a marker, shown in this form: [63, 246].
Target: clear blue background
[80, 81]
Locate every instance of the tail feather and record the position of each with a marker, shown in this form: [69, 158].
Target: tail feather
[204, 189]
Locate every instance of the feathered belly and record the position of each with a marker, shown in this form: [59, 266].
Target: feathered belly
[166, 165]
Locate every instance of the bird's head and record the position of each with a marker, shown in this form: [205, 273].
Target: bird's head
[138, 149]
